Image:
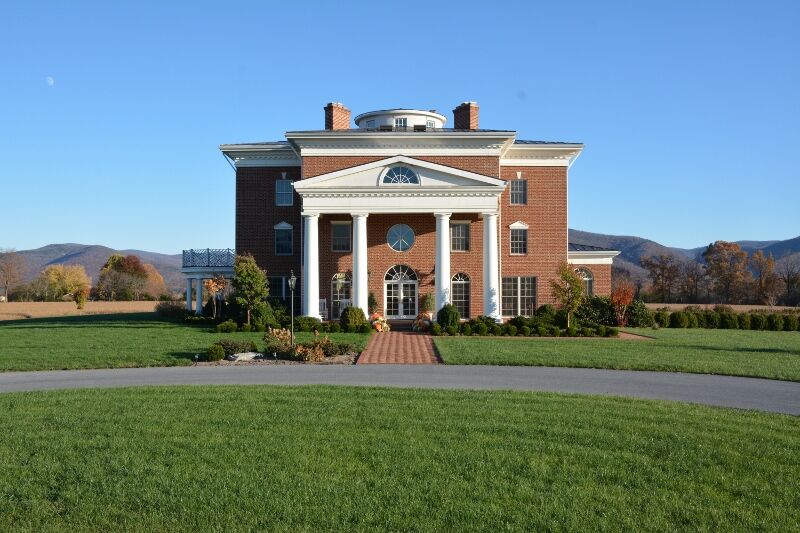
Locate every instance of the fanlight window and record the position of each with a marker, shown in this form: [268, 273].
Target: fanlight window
[400, 273]
[585, 275]
[400, 175]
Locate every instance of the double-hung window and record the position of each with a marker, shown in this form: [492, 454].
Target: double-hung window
[519, 296]
[283, 193]
[283, 239]
[459, 237]
[341, 234]
[519, 240]
[400, 123]
[519, 192]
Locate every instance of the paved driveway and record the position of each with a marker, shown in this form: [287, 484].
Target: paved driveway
[745, 393]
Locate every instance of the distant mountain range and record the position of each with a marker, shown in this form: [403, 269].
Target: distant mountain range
[93, 257]
[633, 248]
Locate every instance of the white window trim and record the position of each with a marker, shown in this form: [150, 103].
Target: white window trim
[518, 283]
[350, 242]
[404, 122]
[511, 191]
[511, 240]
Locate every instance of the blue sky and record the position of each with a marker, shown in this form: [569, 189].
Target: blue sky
[111, 113]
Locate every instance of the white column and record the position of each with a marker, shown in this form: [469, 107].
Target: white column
[188, 294]
[311, 265]
[360, 286]
[442, 259]
[198, 310]
[491, 271]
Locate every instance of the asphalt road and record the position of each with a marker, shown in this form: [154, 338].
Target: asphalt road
[724, 391]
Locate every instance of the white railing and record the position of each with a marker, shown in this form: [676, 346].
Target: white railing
[209, 257]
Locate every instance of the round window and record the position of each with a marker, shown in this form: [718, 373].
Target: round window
[400, 237]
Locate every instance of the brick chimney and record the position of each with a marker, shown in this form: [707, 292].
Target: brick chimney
[337, 117]
[465, 116]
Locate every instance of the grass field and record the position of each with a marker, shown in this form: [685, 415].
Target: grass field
[112, 341]
[360, 459]
[764, 354]
[18, 310]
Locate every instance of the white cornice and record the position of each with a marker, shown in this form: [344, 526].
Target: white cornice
[597, 257]
[541, 155]
[261, 155]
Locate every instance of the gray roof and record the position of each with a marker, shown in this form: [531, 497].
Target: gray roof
[526, 141]
[575, 247]
[393, 130]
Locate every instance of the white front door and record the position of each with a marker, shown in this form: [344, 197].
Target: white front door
[400, 298]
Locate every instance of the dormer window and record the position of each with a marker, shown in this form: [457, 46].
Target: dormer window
[400, 123]
[401, 175]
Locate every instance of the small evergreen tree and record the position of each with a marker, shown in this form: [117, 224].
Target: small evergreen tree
[250, 284]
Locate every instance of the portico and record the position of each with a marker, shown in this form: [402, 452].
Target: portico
[409, 189]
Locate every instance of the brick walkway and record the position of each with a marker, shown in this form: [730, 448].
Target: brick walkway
[399, 347]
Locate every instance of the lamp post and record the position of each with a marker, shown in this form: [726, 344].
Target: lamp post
[292, 283]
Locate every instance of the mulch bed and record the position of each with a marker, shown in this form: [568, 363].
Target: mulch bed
[348, 359]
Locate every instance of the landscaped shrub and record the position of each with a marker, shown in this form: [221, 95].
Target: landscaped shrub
[309, 323]
[713, 320]
[728, 321]
[451, 330]
[546, 314]
[639, 316]
[262, 316]
[480, 328]
[497, 330]
[596, 310]
[171, 310]
[693, 321]
[719, 308]
[758, 322]
[232, 346]
[612, 332]
[525, 330]
[511, 330]
[587, 332]
[215, 352]
[278, 341]
[701, 318]
[572, 331]
[775, 322]
[352, 317]
[364, 328]
[744, 321]
[791, 322]
[678, 319]
[542, 331]
[246, 328]
[466, 329]
[334, 327]
[436, 329]
[448, 316]
[661, 318]
[555, 331]
[332, 349]
[229, 326]
[601, 331]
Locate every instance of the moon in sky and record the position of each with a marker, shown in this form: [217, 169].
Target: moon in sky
[50, 81]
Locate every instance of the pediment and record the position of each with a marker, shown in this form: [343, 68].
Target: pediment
[371, 176]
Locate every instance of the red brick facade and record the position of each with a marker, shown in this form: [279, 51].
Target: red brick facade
[480, 164]
[601, 275]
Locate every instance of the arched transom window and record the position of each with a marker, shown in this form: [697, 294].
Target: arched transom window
[400, 175]
[459, 294]
[588, 280]
[400, 273]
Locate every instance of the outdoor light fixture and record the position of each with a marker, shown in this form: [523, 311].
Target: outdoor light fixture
[292, 283]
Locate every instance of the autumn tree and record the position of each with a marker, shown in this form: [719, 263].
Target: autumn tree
[767, 282]
[12, 270]
[249, 283]
[663, 270]
[693, 281]
[727, 269]
[154, 282]
[790, 278]
[58, 281]
[214, 287]
[621, 298]
[122, 278]
[568, 290]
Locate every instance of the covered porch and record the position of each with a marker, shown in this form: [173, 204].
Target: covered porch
[199, 265]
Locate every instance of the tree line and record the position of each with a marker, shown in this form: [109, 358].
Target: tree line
[726, 274]
[120, 278]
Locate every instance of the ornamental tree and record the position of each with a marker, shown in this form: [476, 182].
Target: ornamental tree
[568, 290]
[250, 283]
[621, 298]
[213, 287]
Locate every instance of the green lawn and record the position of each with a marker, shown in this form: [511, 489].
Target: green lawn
[339, 458]
[765, 354]
[112, 341]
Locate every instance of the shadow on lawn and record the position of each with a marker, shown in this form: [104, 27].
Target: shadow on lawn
[119, 320]
[705, 347]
